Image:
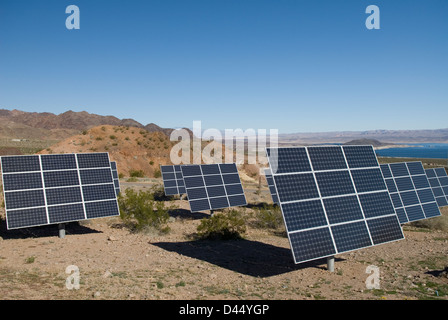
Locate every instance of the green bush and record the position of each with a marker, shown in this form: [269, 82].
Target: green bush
[139, 211]
[136, 173]
[268, 217]
[223, 225]
[157, 174]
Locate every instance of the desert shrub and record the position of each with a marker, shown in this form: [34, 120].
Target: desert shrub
[136, 173]
[113, 137]
[151, 163]
[268, 217]
[84, 132]
[139, 211]
[157, 174]
[436, 223]
[222, 226]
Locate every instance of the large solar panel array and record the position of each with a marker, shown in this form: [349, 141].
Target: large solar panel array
[270, 181]
[410, 191]
[333, 199]
[438, 180]
[113, 167]
[173, 181]
[50, 189]
[213, 186]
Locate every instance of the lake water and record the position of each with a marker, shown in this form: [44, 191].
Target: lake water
[417, 150]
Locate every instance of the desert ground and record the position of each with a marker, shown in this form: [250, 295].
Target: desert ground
[115, 263]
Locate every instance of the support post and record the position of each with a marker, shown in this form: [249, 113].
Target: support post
[61, 230]
[330, 263]
[211, 213]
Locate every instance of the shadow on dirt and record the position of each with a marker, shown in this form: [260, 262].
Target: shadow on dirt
[248, 257]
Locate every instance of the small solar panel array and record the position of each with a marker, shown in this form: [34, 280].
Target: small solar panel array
[50, 189]
[410, 191]
[438, 180]
[113, 167]
[271, 185]
[173, 181]
[333, 199]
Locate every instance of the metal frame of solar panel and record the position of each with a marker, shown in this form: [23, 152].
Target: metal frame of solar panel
[438, 180]
[173, 181]
[113, 167]
[270, 181]
[213, 186]
[333, 200]
[410, 191]
[57, 188]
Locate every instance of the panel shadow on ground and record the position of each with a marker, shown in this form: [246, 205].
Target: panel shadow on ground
[247, 257]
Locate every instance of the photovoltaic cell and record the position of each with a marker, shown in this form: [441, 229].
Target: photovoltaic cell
[173, 181]
[47, 189]
[333, 199]
[438, 180]
[410, 190]
[213, 186]
[115, 177]
[271, 186]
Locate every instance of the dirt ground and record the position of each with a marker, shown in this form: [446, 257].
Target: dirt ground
[114, 264]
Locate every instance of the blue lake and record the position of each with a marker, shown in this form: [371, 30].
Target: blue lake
[417, 150]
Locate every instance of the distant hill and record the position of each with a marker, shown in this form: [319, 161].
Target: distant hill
[44, 125]
[363, 142]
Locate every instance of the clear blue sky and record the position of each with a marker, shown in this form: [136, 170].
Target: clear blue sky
[296, 66]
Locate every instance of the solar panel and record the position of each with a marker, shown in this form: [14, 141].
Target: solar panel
[213, 186]
[333, 199]
[113, 167]
[438, 180]
[270, 181]
[410, 191]
[49, 189]
[173, 181]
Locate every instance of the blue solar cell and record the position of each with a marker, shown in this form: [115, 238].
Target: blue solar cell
[171, 191]
[193, 182]
[415, 168]
[404, 184]
[443, 181]
[442, 201]
[296, 187]
[95, 176]
[63, 195]
[303, 215]
[399, 169]
[390, 183]
[342, 209]
[196, 193]
[376, 204]
[415, 213]
[22, 181]
[24, 199]
[192, 170]
[216, 191]
[228, 168]
[401, 214]
[210, 169]
[168, 176]
[385, 229]
[327, 158]
[101, 209]
[234, 189]
[431, 210]
[237, 200]
[425, 195]
[170, 184]
[167, 169]
[396, 200]
[113, 165]
[367, 180]
[434, 182]
[287, 160]
[58, 162]
[440, 172]
[409, 198]
[61, 178]
[430, 173]
[231, 178]
[307, 245]
[438, 192]
[66, 213]
[334, 183]
[98, 192]
[199, 205]
[360, 156]
[93, 160]
[213, 180]
[11, 164]
[219, 203]
[420, 182]
[26, 218]
[351, 236]
[386, 171]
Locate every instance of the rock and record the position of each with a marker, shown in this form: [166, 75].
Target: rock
[112, 238]
[97, 294]
[107, 274]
